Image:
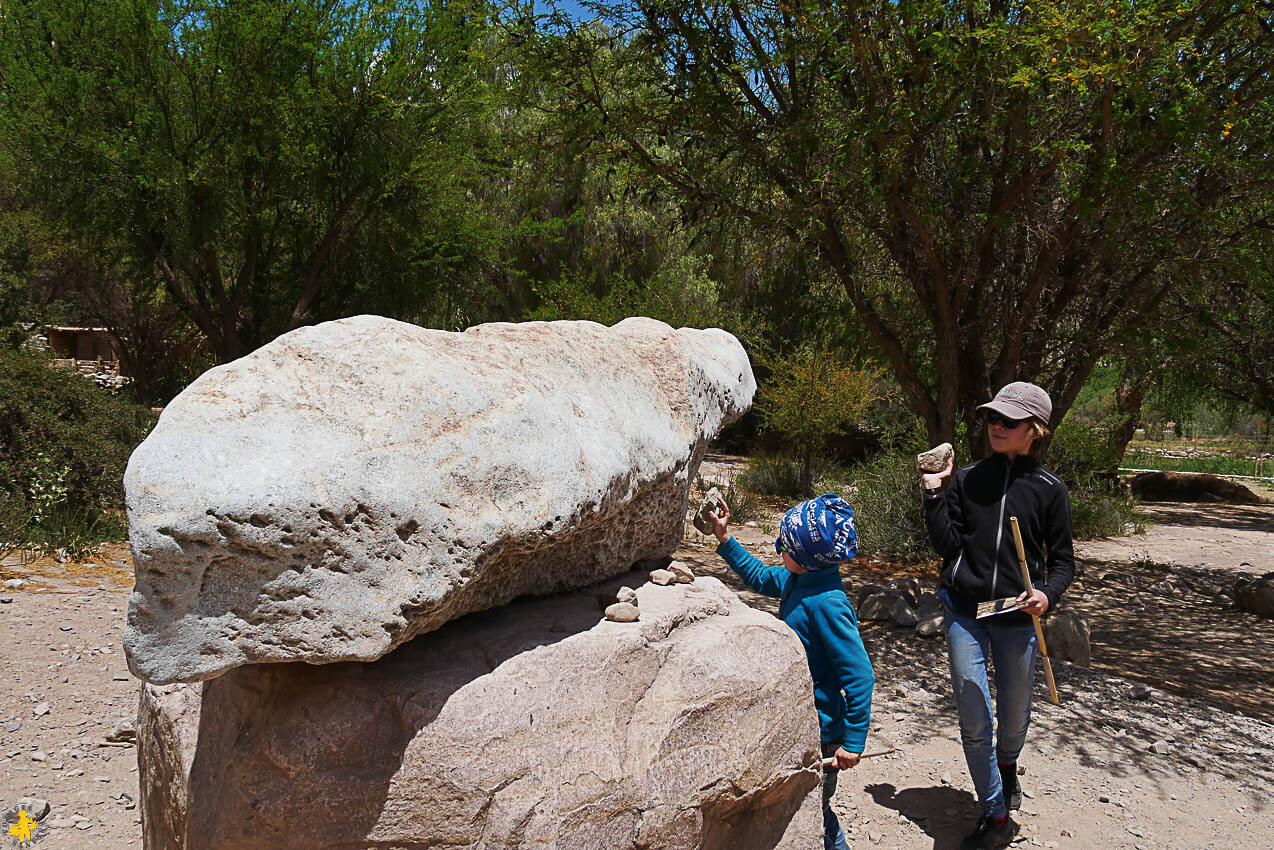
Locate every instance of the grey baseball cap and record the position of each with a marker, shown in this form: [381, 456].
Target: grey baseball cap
[1021, 400]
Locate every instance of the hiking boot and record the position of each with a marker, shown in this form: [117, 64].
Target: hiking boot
[1012, 788]
[989, 834]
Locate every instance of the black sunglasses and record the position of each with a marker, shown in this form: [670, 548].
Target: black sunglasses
[1004, 421]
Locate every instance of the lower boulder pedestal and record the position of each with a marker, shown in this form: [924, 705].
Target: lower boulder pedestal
[538, 725]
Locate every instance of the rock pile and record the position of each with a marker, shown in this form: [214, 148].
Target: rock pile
[361, 483]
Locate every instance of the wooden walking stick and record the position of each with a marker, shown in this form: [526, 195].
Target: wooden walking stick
[830, 761]
[1039, 630]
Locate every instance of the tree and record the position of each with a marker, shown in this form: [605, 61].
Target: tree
[1004, 189]
[812, 394]
[1224, 331]
[248, 153]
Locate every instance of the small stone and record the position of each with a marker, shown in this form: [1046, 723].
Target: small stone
[624, 594]
[1103, 799]
[34, 807]
[79, 771]
[874, 837]
[662, 577]
[66, 628]
[41, 709]
[902, 614]
[946, 780]
[1136, 831]
[102, 778]
[123, 731]
[620, 612]
[1161, 747]
[15, 583]
[6, 599]
[14, 726]
[1139, 691]
[59, 822]
[936, 459]
[683, 573]
[930, 626]
[712, 503]
[83, 824]
[57, 765]
[39, 756]
[120, 677]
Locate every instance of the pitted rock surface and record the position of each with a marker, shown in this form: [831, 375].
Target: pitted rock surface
[359, 482]
[534, 726]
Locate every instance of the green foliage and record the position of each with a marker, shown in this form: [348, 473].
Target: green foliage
[1003, 190]
[885, 495]
[744, 505]
[779, 475]
[1099, 508]
[811, 394]
[1080, 453]
[271, 162]
[1227, 463]
[63, 441]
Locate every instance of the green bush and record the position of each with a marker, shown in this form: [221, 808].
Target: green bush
[1086, 460]
[884, 492]
[63, 447]
[1079, 453]
[743, 504]
[779, 475]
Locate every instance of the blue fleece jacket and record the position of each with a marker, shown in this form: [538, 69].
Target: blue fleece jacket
[814, 604]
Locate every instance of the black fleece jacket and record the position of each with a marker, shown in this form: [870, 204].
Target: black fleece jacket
[969, 527]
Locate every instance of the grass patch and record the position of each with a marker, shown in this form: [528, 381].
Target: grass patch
[1216, 464]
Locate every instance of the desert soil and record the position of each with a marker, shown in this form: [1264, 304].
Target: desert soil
[1091, 779]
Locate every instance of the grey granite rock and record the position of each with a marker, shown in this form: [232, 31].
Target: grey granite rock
[354, 484]
[936, 459]
[693, 728]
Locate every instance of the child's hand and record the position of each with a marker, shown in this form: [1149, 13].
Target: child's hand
[719, 521]
[935, 480]
[845, 759]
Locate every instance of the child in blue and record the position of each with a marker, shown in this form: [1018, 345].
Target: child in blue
[814, 537]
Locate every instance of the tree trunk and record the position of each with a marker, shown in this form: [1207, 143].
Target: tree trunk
[1129, 396]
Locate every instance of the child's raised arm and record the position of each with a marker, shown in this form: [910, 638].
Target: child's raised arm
[756, 575]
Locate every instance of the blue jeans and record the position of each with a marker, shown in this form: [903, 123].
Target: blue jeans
[970, 643]
[833, 837]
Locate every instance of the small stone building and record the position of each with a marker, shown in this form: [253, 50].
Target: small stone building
[75, 346]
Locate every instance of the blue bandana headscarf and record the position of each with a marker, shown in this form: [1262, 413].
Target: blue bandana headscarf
[819, 533]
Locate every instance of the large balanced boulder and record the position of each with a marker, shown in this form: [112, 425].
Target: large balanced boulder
[535, 726]
[360, 482]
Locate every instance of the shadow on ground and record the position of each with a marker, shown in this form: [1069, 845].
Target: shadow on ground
[1165, 626]
[1195, 515]
[930, 808]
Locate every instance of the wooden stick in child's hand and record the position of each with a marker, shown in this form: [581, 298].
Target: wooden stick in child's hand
[1039, 630]
[830, 761]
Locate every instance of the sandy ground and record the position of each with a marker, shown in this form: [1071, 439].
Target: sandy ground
[1091, 780]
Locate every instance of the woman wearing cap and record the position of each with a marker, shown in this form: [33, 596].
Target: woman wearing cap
[967, 513]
